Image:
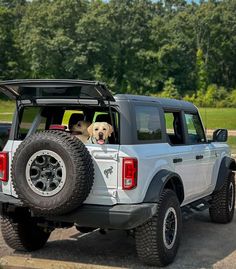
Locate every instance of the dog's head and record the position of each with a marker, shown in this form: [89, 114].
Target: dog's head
[100, 131]
[80, 128]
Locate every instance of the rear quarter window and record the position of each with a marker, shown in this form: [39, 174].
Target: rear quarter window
[148, 123]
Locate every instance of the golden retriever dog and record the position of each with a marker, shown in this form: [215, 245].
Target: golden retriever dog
[99, 133]
[80, 130]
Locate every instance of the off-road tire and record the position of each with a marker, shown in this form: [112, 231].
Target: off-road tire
[78, 166]
[21, 233]
[223, 202]
[150, 245]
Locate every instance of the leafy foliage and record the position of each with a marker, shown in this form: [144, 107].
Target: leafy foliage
[171, 48]
[169, 90]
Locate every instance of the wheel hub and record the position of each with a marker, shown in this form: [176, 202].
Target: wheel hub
[170, 228]
[231, 196]
[46, 173]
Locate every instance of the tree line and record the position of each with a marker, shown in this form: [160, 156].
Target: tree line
[170, 48]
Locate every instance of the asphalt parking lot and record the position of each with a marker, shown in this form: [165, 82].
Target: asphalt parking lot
[204, 245]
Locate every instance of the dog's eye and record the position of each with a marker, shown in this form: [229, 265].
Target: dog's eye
[104, 129]
[96, 129]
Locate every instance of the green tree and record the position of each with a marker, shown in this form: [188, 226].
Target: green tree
[133, 45]
[8, 51]
[170, 90]
[201, 72]
[47, 36]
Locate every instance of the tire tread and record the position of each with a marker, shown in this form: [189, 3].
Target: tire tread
[218, 210]
[84, 171]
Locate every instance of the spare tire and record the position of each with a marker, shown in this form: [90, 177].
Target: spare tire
[52, 172]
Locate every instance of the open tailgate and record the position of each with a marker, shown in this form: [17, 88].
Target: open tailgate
[55, 89]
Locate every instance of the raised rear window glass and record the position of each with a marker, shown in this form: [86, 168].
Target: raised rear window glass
[67, 91]
[148, 123]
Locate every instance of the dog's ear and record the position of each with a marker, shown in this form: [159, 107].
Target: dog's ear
[111, 130]
[90, 130]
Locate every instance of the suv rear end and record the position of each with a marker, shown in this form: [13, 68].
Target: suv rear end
[50, 105]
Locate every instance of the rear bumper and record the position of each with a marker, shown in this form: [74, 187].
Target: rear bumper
[121, 217]
[7, 199]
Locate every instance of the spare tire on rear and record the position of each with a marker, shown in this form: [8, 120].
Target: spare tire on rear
[52, 172]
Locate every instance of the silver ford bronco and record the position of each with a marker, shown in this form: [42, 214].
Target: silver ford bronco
[156, 165]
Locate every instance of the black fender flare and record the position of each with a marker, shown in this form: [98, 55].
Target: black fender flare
[226, 167]
[158, 183]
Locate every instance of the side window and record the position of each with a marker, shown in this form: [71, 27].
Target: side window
[195, 129]
[28, 117]
[174, 128]
[148, 123]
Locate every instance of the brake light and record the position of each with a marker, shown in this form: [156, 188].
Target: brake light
[129, 173]
[4, 166]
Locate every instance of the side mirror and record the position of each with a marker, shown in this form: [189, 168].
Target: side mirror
[220, 135]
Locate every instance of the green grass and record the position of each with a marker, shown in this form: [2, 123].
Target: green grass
[214, 118]
[6, 107]
[6, 118]
[232, 142]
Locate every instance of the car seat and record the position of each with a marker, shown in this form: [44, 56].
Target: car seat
[74, 118]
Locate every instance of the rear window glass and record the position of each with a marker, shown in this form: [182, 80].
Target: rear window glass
[148, 123]
[58, 92]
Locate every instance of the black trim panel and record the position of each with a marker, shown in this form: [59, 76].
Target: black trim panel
[7, 199]
[121, 217]
[227, 165]
[157, 185]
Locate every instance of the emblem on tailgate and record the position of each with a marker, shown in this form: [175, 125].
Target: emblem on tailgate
[108, 171]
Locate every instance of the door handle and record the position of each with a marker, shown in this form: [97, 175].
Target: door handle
[198, 157]
[177, 160]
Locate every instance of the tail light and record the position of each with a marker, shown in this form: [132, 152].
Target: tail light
[129, 173]
[4, 166]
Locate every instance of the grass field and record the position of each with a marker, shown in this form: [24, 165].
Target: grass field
[6, 110]
[232, 142]
[213, 118]
[6, 106]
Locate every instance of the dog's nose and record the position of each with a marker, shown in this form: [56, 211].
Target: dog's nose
[100, 135]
